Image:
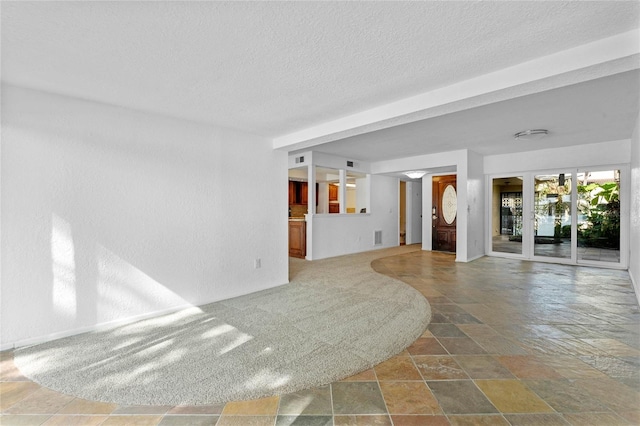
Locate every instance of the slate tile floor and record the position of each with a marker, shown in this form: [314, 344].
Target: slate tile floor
[510, 343]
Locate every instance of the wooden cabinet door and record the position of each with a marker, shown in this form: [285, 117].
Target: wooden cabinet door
[304, 193]
[292, 192]
[333, 192]
[297, 239]
[299, 192]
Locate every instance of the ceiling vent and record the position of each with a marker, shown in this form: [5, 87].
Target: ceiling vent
[300, 159]
[349, 163]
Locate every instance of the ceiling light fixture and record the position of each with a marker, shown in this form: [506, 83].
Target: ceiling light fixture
[415, 174]
[531, 135]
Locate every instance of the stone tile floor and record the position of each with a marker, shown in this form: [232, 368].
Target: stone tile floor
[510, 343]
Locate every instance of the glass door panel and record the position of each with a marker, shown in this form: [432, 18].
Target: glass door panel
[599, 216]
[552, 215]
[507, 215]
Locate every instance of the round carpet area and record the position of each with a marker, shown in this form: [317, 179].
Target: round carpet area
[335, 318]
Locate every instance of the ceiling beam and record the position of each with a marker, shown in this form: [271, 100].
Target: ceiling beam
[603, 57]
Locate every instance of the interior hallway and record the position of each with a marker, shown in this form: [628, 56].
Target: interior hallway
[510, 343]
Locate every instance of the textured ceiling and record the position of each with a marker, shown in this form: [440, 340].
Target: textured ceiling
[598, 110]
[272, 68]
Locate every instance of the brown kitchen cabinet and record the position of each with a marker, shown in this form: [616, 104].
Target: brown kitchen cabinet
[333, 193]
[297, 238]
[304, 192]
[299, 192]
[292, 192]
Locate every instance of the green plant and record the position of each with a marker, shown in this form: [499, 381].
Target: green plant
[599, 205]
[550, 202]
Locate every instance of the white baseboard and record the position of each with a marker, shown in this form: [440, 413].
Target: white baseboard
[112, 324]
[98, 327]
[470, 259]
[636, 285]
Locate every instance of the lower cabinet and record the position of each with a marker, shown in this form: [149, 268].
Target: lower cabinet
[297, 238]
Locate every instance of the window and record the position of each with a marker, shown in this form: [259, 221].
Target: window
[356, 191]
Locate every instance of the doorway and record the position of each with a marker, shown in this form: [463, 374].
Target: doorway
[444, 213]
[507, 224]
[553, 221]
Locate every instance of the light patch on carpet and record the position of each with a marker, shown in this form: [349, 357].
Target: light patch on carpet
[337, 317]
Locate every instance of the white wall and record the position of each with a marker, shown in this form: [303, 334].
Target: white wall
[362, 194]
[414, 212]
[427, 216]
[351, 199]
[475, 206]
[110, 214]
[323, 198]
[634, 257]
[337, 234]
[596, 154]
[462, 225]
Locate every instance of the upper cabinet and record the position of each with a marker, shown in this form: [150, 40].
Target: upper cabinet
[298, 192]
[333, 193]
[292, 192]
[304, 192]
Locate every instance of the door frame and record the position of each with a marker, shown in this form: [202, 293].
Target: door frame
[573, 258]
[438, 212]
[527, 224]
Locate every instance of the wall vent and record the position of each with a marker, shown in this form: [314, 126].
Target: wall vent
[377, 238]
[300, 159]
[349, 163]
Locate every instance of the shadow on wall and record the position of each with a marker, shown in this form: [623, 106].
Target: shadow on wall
[99, 235]
[110, 213]
[119, 288]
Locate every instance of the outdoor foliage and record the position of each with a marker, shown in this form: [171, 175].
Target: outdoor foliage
[599, 206]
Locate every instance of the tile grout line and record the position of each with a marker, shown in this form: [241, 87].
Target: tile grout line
[384, 401]
[333, 412]
[275, 419]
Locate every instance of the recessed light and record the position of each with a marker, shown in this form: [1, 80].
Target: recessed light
[531, 134]
[415, 174]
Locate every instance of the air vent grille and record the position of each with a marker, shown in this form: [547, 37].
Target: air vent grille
[300, 159]
[377, 238]
[349, 163]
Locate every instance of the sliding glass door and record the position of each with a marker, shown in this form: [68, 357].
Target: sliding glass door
[599, 216]
[507, 215]
[568, 216]
[552, 203]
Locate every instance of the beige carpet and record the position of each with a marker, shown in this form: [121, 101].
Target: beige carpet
[336, 318]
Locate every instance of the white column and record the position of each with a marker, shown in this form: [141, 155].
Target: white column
[311, 188]
[342, 191]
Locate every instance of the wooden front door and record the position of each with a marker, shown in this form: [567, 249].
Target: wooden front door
[444, 213]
